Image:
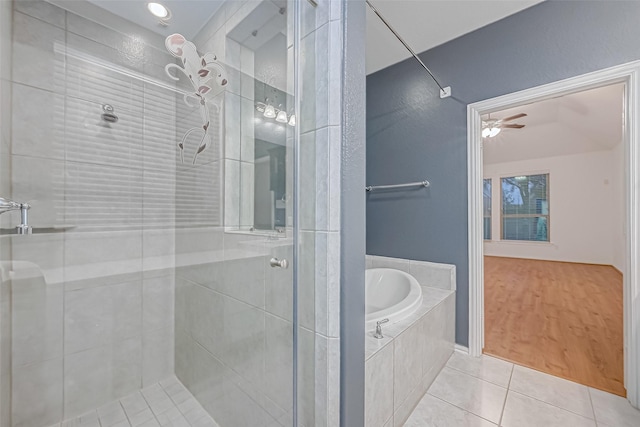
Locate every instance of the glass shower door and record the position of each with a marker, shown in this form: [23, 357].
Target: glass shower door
[157, 148]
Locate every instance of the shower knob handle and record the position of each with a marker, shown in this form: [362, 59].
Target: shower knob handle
[282, 263]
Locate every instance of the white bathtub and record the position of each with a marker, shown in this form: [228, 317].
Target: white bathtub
[390, 294]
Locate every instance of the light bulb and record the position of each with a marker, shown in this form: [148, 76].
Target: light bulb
[292, 120]
[269, 112]
[158, 10]
[281, 117]
[486, 132]
[494, 132]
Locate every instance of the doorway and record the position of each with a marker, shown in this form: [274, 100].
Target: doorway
[625, 75]
[553, 236]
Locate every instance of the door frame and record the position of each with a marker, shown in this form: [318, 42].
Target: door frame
[628, 74]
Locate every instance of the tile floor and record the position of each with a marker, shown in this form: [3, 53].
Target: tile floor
[486, 392]
[165, 404]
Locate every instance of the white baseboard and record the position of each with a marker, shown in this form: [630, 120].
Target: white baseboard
[461, 349]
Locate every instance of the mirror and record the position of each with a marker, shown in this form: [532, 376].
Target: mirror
[258, 122]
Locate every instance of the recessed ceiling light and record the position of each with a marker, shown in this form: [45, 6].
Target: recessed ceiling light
[159, 10]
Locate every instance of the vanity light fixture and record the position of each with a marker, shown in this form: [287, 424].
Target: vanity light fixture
[269, 111]
[159, 11]
[281, 116]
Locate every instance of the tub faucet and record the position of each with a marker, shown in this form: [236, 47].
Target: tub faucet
[378, 333]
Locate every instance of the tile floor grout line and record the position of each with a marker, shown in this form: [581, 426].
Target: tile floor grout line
[126, 416]
[462, 409]
[551, 404]
[504, 404]
[477, 376]
[593, 408]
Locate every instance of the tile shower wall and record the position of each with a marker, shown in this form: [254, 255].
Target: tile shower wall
[93, 295]
[233, 313]
[233, 346]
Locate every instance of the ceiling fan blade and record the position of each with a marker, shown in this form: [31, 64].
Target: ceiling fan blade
[517, 116]
[513, 126]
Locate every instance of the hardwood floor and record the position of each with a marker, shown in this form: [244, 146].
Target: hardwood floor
[561, 318]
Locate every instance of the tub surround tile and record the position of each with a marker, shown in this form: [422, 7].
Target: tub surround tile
[373, 345]
[431, 297]
[469, 393]
[408, 374]
[419, 352]
[433, 275]
[437, 339]
[379, 388]
[386, 262]
[486, 368]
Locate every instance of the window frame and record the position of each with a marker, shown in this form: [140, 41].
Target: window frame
[547, 216]
[490, 216]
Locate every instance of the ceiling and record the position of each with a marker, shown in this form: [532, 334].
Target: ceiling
[425, 24]
[578, 123]
[188, 16]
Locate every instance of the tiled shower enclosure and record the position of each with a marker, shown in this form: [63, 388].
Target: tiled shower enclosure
[145, 295]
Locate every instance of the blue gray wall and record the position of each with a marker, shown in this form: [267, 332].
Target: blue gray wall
[412, 134]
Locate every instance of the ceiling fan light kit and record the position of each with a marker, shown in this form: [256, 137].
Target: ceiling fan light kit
[492, 127]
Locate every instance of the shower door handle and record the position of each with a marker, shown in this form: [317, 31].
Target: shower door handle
[282, 263]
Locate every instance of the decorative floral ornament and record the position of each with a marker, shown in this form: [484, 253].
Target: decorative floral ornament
[208, 78]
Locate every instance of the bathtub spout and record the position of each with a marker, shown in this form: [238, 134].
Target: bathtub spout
[378, 333]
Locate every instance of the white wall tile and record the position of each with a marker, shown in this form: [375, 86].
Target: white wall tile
[40, 182]
[37, 321]
[38, 127]
[158, 303]
[37, 393]
[102, 315]
[42, 10]
[33, 51]
[158, 348]
[99, 375]
[278, 377]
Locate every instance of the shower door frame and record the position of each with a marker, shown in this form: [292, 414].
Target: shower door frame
[629, 75]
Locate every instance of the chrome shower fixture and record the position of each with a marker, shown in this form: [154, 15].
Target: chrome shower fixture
[7, 205]
[109, 115]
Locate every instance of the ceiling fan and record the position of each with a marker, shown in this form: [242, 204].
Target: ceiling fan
[492, 127]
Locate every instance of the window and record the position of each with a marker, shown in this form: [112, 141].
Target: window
[525, 208]
[486, 208]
